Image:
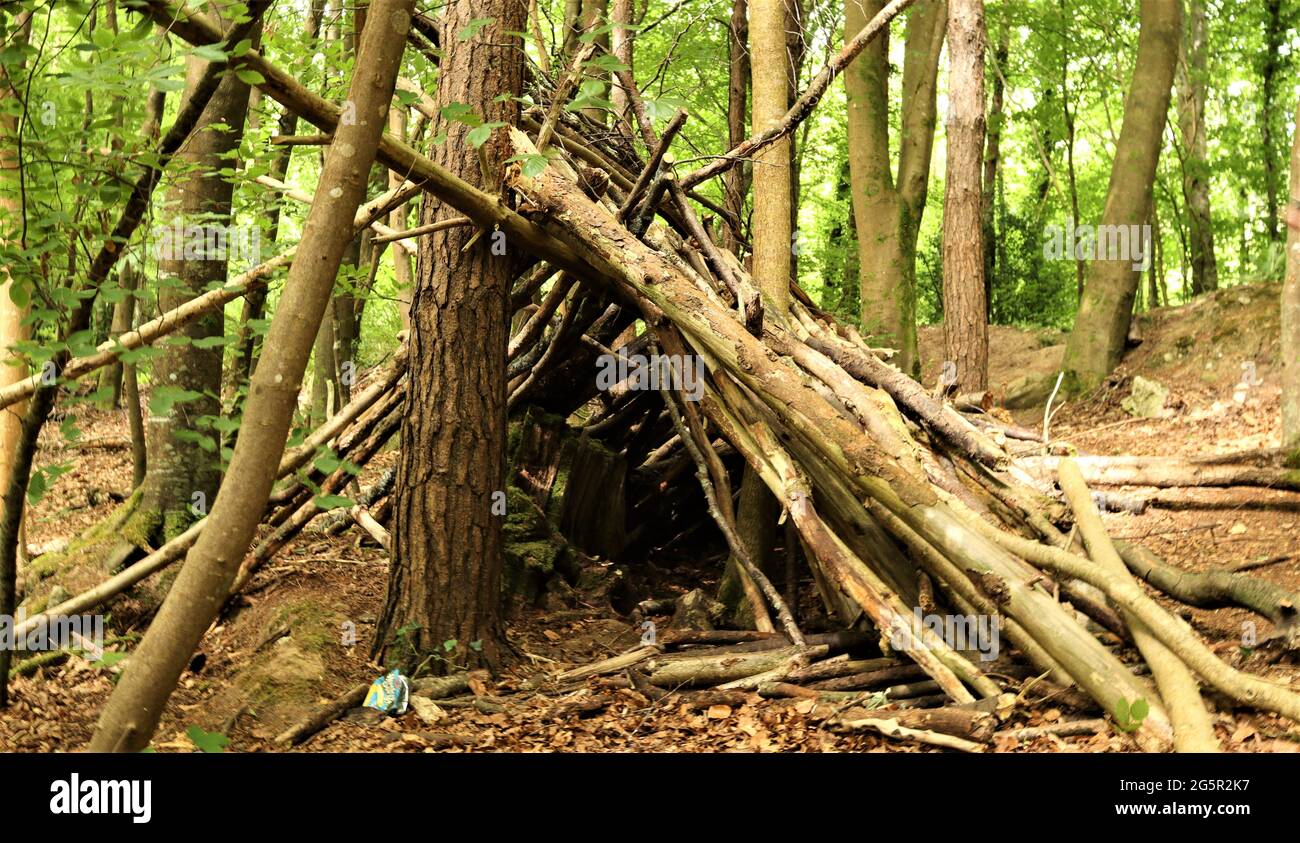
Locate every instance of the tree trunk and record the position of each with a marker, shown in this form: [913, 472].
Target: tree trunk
[888, 212]
[1291, 312]
[1267, 120]
[736, 180]
[1196, 167]
[622, 14]
[769, 74]
[12, 329]
[773, 256]
[992, 156]
[183, 476]
[1101, 327]
[450, 489]
[133, 711]
[965, 309]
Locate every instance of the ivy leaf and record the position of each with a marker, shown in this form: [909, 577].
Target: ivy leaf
[207, 741]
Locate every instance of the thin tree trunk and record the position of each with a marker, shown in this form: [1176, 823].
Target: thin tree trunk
[965, 310]
[449, 496]
[1101, 327]
[737, 179]
[133, 711]
[1071, 172]
[1267, 120]
[621, 41]
[992, 156]
[1196, 167]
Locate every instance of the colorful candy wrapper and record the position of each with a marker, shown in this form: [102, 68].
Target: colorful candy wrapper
[389, 693]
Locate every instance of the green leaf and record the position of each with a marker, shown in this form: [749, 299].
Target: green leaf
[477, 137]
[210, 52]
[472, 28]
[250, 77]
[109, 659]
[166, 396]
[327, 502]
[459, 112]
[449, 644]
[207, 741]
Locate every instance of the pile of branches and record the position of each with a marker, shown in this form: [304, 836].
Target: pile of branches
[896, 496]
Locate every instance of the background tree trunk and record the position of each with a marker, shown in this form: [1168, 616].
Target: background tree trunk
[965, 309]
[446, 560]
[737, 179]
[888, 213]
[1196, 167]
[1101, 327]
[1291, 311]
[179, 468]
[992, 160]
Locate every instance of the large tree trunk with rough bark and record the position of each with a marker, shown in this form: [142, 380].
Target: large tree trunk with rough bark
[449, 499]
[1101, 326]
[965, 308]
[888, 211]
[129, 719]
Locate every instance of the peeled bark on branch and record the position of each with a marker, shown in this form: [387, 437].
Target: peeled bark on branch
[1193, 731]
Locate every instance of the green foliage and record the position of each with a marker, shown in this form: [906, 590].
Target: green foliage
[1129, 717]
[207, 741]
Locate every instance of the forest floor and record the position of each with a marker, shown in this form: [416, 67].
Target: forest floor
[285, 649]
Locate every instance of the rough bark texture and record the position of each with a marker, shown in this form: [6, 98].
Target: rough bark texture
[888, 211]
[446, 568]
[1101, 327]
[132, 713]
[1196, 167]
[179, 468]
[770, 86]
[965, 308]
